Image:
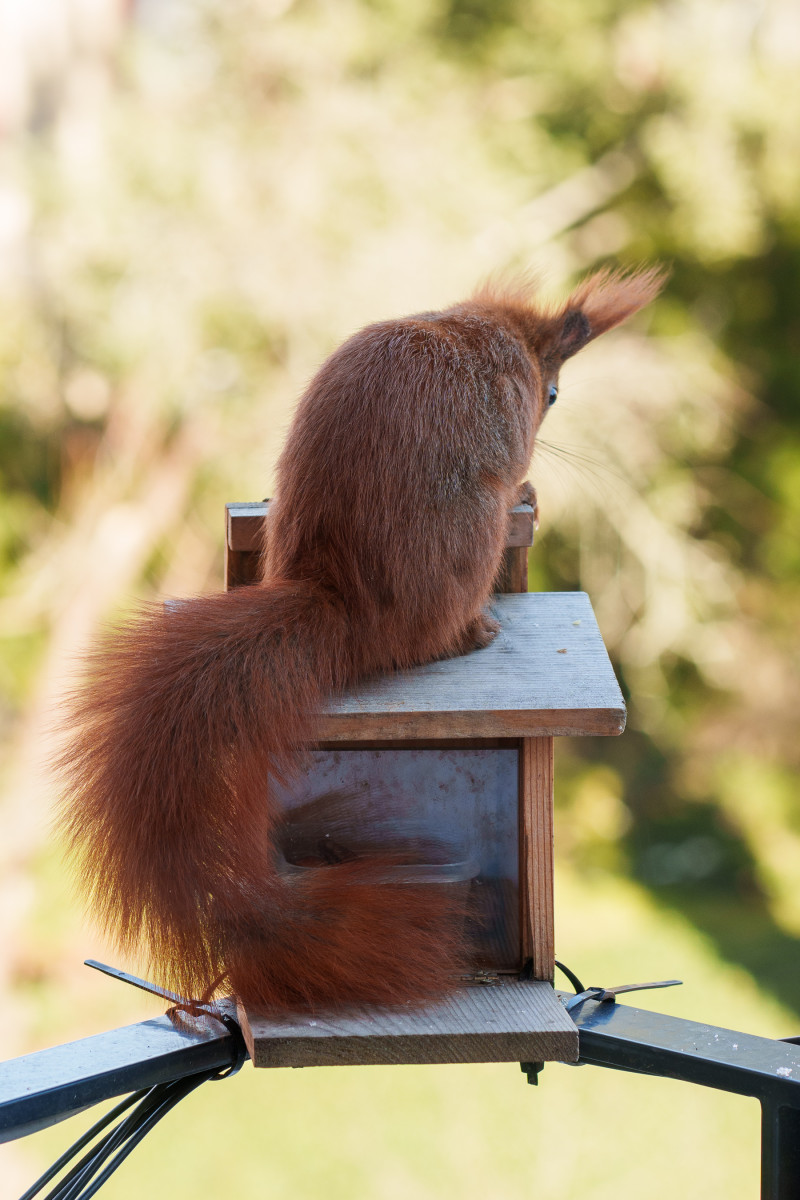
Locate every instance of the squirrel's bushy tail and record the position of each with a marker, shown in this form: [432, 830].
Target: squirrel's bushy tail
[170, 740]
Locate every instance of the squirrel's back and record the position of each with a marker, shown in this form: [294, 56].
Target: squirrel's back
[404, 457]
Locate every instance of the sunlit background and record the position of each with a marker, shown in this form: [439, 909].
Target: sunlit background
[198, 201]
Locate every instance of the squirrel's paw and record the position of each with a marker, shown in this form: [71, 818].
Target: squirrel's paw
[479, 633]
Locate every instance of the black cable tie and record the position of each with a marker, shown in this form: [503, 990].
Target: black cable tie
[193, 1008]
[242, 1053]
[610, 994]
[136, 1115]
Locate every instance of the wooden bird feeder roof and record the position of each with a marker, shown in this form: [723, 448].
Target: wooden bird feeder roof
[546, 674]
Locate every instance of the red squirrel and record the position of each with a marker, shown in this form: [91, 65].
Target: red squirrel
[386, 532]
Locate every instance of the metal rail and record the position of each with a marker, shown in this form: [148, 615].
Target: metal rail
[649, 1043]
[40, 1089]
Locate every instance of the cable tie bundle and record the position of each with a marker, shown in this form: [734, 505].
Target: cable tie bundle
[137, 1114]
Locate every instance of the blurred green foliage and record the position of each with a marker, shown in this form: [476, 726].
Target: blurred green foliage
[195, 209]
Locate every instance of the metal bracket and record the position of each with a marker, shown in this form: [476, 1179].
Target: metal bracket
[630, 1039]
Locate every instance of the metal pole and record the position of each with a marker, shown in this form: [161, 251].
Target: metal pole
[780, 1151]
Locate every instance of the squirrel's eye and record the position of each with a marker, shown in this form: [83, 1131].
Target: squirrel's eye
[551, 399]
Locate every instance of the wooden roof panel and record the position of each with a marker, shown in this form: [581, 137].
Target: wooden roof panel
[546, 673]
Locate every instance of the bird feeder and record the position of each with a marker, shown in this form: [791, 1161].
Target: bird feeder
[467, 744]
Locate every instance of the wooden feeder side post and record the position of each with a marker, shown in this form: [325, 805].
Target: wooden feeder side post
[536, 867]
[536, 855]
[243, 534]
[513, 573]
[238, 568]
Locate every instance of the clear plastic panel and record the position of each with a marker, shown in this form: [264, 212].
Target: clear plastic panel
[455, 811]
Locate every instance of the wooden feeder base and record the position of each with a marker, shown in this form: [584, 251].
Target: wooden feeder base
[510, 1022]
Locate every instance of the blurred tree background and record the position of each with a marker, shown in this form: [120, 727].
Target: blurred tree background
[198, 201]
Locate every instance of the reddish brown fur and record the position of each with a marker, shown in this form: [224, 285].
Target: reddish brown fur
[404, 457]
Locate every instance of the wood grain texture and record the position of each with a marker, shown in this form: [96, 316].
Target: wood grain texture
[511, 1022]
[426, 744]
[520, 527]
[241, 567]
[244, 524]
[245, 520]
[513, 574]
[547, 673]
[536, 855]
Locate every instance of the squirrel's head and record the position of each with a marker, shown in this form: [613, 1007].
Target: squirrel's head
[600, 302]
[552, 335]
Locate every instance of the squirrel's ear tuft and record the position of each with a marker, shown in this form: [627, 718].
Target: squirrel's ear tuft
[604, 300]
[574, 331]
